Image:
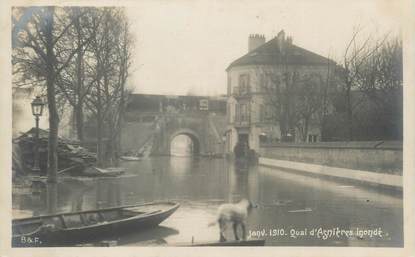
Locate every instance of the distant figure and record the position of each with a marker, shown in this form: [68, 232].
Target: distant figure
[246, 149]
[238, 150]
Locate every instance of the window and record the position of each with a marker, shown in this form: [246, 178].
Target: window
[244, 116]
[312, 138]
[242, 113]
[268, 112]
[237, 113]
[261, 113]
[244, 87]
[229, 85]
[229, 112]
[263, 82]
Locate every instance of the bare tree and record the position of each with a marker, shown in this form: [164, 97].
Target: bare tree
[39, 58]
[381, 73]
[280, 98]
[356, 53]
[380, 80]
[112, 53]
[76, 80]
[124, 54]
[297, 98]
[309, 102]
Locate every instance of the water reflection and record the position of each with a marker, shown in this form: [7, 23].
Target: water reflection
[182, 145]
[286, 200]
[52, 197]
[108, 193]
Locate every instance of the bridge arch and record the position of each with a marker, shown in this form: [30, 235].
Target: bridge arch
[191, 134]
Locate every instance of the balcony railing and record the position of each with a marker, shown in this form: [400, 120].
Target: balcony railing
[241, 92]
[242, 121]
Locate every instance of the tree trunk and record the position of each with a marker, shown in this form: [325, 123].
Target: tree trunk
[111, 145]
[120, 119]
[120, 123]
[305, 129]
[349, 112]
[79, 120]
[79, 115]
[53, 112]
[100, 125]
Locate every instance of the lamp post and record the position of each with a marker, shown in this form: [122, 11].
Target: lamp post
[37, 110]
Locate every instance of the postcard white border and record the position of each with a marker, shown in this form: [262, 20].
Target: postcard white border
[408, 21]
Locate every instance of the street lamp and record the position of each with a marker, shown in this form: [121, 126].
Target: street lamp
[37, 110]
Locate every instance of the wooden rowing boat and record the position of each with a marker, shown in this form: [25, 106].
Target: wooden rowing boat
[130, 158]
[103, 172]
[75, 227]
[228, 243]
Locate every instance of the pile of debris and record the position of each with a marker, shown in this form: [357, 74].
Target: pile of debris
[71, 155]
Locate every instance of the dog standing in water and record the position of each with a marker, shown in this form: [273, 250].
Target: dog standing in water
[234, 214]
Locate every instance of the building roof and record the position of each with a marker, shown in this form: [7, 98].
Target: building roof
[270, 54]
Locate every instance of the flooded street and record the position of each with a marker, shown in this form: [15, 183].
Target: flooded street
[292, 208]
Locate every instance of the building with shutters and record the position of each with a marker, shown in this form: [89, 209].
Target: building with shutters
[250, 116]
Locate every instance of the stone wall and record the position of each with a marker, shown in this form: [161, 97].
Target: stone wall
[207, 136]
[135, 135]
[378, 156]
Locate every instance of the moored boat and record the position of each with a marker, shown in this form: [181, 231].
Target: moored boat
[130, 158]
[104, 172]
[74, 227]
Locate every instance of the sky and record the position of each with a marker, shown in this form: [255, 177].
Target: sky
[185, 46]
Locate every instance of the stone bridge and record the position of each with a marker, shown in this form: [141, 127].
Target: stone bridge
[153, 121]
[203, 128]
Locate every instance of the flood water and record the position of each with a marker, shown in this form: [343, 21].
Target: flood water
[293, 209]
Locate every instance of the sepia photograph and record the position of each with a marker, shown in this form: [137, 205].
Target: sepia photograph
[198, 123]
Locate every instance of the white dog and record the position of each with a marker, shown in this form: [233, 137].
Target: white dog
[235, 214]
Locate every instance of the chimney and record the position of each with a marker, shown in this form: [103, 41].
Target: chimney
[289, 40]
[281, 40]
[255, 41]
